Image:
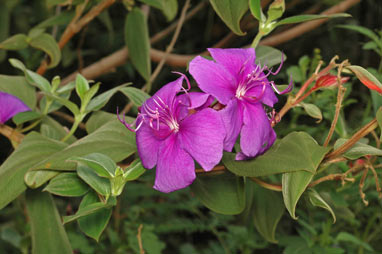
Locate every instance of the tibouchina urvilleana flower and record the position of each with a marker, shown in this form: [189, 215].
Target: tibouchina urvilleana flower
[10, 105]
[236, 81]
[173, 130]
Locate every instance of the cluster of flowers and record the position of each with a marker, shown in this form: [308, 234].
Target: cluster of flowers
[173, 129]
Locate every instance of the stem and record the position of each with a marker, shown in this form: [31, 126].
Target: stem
[266, 185]
[34, 124]
[340, 97]
[256, 40]
[11, 133]
[73, 129]
[357, 136]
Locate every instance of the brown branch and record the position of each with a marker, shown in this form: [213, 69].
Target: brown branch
[76, 25]
[171, 45]
[350, 142]
[139, 238]
[308, 26]
[340, 97]
[118, 58]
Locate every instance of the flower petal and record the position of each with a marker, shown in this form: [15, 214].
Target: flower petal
[257, 134]
[147, 145]
[267, 95]
[10, 105]
[234, 59]
[175, 169]
[213, 79]
[232, 116]
[164, 95]
[193, 100]
[202, 135]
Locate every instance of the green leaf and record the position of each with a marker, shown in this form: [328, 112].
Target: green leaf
[100, 163]
[346, 237]
[138, 42]
[47, 231]
[268, 208]
[48, 44]
[99, 184]
[257, 13]
[62, 18]
[32, 78]
[268, 56]
[66, 102]
[82, 86]
[231, 12]
[67, 185]
[366, 78]
[134, 170]
[312, 110]
[89, 209]
[318, 201]
[98, 119]
[275, 10]
[33, 147]
[358, 150]
[112, 140]
[15, 42]
[26, 116]
[379, 120]
[365, 31]
[309, 17]
[98, 102]
[95, 223]
[298, 151]
[293, 185]
[17, 86]
[221, 193]
[135, 95]
[170, 9]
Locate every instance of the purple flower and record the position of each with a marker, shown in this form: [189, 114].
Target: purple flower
[10, 105]
[170, 136]
[237, 82]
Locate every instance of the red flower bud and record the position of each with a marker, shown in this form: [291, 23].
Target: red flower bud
[327, 81]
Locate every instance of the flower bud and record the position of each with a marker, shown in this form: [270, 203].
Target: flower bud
[328, 81]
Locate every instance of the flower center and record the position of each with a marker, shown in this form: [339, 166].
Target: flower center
[240, 91]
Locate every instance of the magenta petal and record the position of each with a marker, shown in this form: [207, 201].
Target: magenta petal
[234, 59]
[175, 169]
[167, 94]
[202, 135]
[232, 116]
[267, 94]
[10, 105]
[213, 79]
[148, 146]
[193, 100]
[257, 134]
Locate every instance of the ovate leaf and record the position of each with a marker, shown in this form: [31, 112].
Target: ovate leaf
[95, 223]
[138, 42]
[67, 185]
[16, 42]
[318, 201]
[231, 12]
[312, 110]
[221, 193]
[33, 147]
[298, 151]
[366, 78]
[48, 44]
[293, 185]
[99, 184]
[268, 208]
[358, 150]
[17, 86]
[255, 7]
[268, 56]
[135, 95]
[100, 163]
[47, 231]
